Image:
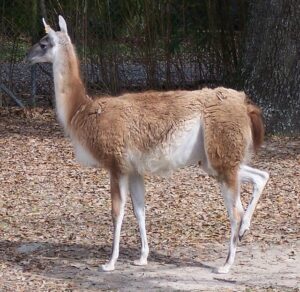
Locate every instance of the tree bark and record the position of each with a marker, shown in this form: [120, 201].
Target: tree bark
[271, 62]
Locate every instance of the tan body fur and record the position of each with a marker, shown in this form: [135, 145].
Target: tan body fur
[156, 132]
[149, 120]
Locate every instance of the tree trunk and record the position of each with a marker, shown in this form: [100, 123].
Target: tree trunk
[271, 62]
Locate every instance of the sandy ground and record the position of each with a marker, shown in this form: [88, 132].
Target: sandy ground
[258, 268]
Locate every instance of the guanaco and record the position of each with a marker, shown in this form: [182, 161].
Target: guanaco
[155, 133]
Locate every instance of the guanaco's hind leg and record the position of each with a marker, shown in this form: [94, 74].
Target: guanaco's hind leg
[119, 190]
[259, 179]
[137, 191]
[231, 194]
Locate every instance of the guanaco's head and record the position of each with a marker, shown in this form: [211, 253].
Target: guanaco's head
[48, 48]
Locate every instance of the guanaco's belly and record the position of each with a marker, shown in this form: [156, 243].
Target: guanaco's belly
[183, 147]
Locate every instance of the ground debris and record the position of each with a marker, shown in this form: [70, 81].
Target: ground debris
[56, 229]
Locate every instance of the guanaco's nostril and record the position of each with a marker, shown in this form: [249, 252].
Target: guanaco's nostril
[28, 57]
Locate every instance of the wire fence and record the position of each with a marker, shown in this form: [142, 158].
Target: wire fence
[124, 45]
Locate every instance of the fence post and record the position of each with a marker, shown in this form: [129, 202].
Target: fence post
[33, 84]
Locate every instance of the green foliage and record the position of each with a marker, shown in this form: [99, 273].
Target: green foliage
[207, 34]
[13, 49]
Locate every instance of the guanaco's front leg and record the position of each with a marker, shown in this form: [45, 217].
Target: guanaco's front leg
[137, 191]
[119, 190]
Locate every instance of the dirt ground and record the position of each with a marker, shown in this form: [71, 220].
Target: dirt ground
[75, 268]
[55, 225]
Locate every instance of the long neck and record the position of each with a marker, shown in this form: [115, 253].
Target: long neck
[69, 90]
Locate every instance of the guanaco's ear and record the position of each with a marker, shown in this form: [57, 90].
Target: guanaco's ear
[48, 28]
[62, 24]
[51, 33]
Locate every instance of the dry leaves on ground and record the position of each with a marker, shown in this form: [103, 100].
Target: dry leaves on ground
[51, 208]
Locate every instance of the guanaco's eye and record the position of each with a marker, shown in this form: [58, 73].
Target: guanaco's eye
[43, 46]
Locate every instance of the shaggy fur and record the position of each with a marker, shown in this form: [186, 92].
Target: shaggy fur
[145, 121]
[157, 132]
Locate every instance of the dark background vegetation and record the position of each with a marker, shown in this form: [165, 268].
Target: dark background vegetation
[163, 44]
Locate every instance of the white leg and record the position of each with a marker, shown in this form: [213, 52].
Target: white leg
[259, 179]
[119, 190]
[235, 212]
[137, 190]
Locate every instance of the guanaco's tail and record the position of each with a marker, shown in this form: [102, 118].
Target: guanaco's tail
[257, 124]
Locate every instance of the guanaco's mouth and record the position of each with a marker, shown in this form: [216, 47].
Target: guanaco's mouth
[29, 59]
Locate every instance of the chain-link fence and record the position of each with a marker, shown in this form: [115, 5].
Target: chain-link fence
[124, 45]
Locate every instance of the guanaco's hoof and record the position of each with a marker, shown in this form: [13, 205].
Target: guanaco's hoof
[222, 270]
[140, 262]
[108, 267]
